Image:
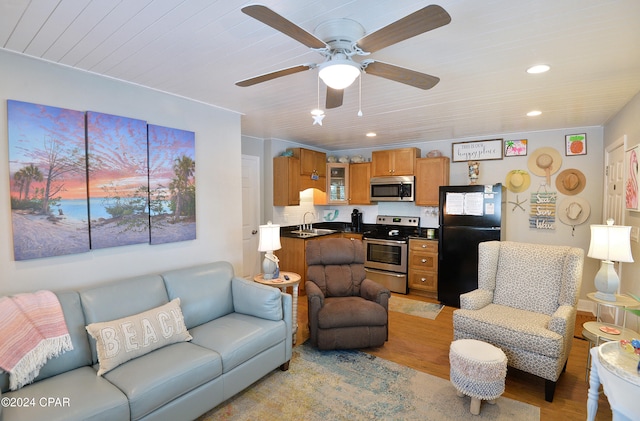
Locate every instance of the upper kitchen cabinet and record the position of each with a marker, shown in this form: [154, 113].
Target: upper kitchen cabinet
[337, 184]
[431, 173]
[394, 162]
[311, 162]
[286, 181]
[359, 179]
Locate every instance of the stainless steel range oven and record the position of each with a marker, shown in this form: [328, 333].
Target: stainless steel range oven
[387, 251]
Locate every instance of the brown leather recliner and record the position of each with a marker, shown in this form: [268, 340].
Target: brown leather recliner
[346, 310]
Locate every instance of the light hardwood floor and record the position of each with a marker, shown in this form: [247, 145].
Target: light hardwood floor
[423, 344]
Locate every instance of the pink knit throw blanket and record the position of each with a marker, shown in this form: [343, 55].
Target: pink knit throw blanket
[32, 330]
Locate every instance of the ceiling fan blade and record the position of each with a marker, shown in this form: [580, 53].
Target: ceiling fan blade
[421, 21]
[274, 20]
[274, 75]
[334, 97]
[400, 74]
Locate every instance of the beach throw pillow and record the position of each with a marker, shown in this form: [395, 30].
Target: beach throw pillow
[118, 341]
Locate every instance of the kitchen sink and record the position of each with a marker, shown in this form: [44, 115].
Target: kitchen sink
[313, 232]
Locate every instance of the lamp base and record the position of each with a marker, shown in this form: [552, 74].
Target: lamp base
[606, 282]
[270, 269]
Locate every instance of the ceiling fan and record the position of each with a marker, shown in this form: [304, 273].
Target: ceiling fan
[338, 40]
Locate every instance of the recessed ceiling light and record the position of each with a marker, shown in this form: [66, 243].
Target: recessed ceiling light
[534, 113]
[540, 68]
[371, 134]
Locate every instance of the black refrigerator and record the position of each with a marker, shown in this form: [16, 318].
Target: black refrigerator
[468, 216]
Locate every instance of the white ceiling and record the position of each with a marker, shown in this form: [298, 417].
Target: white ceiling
[200, 48]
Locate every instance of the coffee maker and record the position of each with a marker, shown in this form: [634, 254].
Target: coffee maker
[356, 221]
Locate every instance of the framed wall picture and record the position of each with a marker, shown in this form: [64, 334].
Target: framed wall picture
[631, 178]
[515, 147]
[576, 144]
[479, 150]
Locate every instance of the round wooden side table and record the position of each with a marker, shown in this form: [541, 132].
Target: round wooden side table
[282, 283]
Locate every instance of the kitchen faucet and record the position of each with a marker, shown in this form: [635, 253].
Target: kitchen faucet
[304, 225]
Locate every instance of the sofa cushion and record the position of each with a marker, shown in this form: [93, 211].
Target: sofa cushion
[77, 395]
[163, 375]
[204, 291]
[238, 337]
[256, 300]
[512, 327]
[122, 298]
[349, 312]
[121, 340]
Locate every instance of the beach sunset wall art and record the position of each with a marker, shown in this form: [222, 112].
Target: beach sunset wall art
[81, 181]
[48, 184]
[118, 180]
[172, 184]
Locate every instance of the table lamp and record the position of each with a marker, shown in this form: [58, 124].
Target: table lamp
[609, 243]
[270, 241]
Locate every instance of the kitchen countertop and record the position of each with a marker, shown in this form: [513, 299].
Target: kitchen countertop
[343, 228]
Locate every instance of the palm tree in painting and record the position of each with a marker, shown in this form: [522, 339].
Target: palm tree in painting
[25, 176]
[182, 184]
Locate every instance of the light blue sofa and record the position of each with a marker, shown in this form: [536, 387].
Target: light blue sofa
[241, 331]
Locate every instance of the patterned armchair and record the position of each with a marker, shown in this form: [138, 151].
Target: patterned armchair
[346, 310]
[525, 304]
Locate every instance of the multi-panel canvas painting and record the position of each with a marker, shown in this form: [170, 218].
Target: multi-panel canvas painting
[172, 184]
[48, 180]
[118, 180]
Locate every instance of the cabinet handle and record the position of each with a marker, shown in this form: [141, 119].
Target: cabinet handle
[424, 260]
[423, 280]
[424, 246]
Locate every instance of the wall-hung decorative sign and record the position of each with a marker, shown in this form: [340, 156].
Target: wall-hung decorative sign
[515, 147]
[576, 144]
[631, 178]
[48, 180]
[480, 150]
[543, 210]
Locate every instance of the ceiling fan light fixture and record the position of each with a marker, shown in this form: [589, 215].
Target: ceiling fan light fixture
[339, 73]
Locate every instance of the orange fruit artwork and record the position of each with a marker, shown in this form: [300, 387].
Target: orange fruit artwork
[576, 146]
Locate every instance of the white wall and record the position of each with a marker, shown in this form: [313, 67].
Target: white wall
[218, 176]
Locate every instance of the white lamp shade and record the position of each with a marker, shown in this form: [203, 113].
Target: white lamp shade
[610, 242]
[269, 237]
[339, 73]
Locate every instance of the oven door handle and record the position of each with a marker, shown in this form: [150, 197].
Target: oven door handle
[384, 242]
[381, 272]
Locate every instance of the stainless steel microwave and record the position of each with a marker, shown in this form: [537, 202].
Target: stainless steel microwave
[400, 188]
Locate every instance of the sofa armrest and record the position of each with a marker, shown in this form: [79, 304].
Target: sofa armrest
[315, 301]
[562, 320]
[476, 299]
[257, 300]
[373, 291]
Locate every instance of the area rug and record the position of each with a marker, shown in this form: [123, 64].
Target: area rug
[414, 307]
[353, 385]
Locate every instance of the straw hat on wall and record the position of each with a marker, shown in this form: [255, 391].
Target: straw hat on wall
[517, 181]
[574, 211]
[571, 182]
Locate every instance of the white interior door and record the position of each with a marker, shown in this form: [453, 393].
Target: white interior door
[614, 185]
[250, 215]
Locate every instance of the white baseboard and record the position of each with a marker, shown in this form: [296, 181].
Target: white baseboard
[587, 305]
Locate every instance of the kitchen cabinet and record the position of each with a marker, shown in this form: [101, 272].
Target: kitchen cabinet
[286, 181]
[292, 255]
[359, 176]
[337, 184]
[394, 162]
[311, 162]
[423, 267]
[352, 235]
[431, 173]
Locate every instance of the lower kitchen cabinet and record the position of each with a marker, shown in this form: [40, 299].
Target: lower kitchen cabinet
[292, 256]
[423, 267]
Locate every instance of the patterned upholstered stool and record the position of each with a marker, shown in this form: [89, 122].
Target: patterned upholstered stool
[478, 370]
